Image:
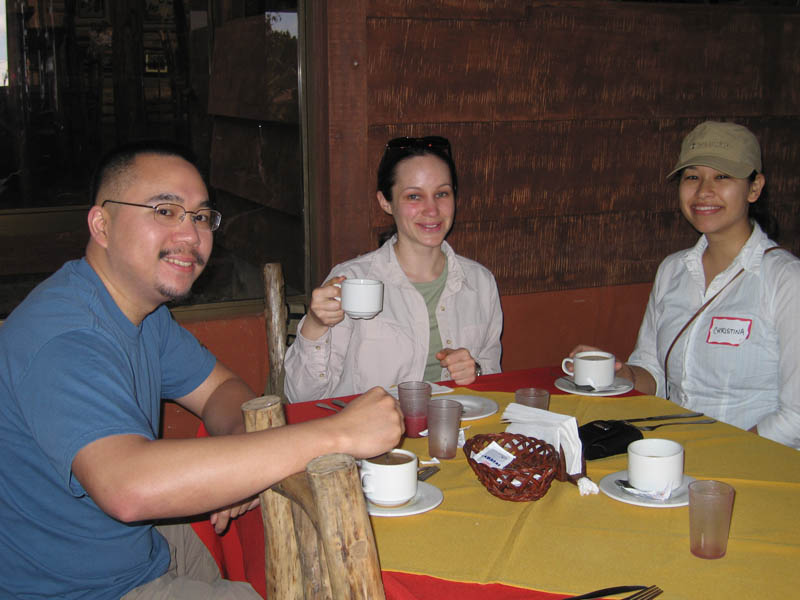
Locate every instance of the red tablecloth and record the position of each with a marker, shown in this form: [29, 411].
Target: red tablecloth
[239, 552]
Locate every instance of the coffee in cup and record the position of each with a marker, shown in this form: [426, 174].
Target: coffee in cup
[592, 367]
[361, 298]
[390, 479]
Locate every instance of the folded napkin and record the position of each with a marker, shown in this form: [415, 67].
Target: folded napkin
[561, 431]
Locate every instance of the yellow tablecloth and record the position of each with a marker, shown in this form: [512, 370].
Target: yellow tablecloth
[570, 543]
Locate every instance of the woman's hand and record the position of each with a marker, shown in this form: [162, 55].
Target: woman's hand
[325, 310]
[459, 363]
[584, 348]
[641, 379]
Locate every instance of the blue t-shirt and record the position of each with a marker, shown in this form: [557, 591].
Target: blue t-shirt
[74, 369]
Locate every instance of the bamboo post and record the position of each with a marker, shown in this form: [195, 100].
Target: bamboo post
[282, 565]
[344, 527]
[275, 317]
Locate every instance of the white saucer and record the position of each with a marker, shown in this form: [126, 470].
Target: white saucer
[679, 497]
[428, 497]
[435, 389]
[475, 407]
[621, 385]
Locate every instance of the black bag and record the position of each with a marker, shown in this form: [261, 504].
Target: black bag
[607, 438]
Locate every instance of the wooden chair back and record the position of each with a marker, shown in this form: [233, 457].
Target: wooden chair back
[275, 320]
[318, 537]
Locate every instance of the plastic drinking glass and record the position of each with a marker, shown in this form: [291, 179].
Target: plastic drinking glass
[533, 397]
[710, 507]
[444, 418]
[414, 397]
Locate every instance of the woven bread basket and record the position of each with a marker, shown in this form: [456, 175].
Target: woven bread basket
[527, 478]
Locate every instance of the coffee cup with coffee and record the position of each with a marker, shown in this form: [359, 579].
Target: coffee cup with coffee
[390, 479]
[592, 367]
[655, 465]
[361, 298]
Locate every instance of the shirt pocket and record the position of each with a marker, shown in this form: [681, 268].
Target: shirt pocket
[383, 353]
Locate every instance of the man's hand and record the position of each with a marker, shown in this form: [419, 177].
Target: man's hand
[459, 363]
[222, 517]
[372, 424]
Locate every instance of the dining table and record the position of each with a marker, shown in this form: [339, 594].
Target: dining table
[475, 545]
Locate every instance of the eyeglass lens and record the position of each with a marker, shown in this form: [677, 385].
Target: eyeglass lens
[173, 214]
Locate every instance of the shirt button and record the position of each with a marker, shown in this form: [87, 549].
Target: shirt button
[317, 348]
[449, 342]
[442, 309]
[321, 375]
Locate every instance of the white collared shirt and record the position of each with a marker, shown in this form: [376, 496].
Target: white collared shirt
[356, 355]
[739, 361]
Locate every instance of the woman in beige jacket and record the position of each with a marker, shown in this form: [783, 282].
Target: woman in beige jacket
[441, 316]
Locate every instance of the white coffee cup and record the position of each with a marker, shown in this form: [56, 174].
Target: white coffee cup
[361, 298]
[655, 465]
[592, 367]
[390, 479]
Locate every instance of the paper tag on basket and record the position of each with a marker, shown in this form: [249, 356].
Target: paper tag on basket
[494, 455]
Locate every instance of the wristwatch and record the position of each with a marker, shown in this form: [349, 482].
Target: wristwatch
[478, 369]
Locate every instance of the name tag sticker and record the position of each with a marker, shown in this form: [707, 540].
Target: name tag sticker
[729, 331]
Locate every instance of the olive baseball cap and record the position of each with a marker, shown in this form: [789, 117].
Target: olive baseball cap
[727, 147]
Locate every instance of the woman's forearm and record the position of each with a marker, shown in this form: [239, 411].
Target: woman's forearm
[641, 378]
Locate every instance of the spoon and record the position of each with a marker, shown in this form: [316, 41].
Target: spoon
[425, 472]
[626, 487]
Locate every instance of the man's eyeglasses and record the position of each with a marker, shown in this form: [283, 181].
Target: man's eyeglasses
[428, 142]
[172, 215]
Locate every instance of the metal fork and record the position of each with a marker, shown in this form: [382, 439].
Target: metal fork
[322, 405]
[652, 427]
[645, 594]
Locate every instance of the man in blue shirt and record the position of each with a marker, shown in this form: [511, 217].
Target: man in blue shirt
[84, 363]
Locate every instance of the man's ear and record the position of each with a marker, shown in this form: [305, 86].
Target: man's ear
[98, 225]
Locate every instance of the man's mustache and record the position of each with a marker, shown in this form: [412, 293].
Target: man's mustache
[195, 254]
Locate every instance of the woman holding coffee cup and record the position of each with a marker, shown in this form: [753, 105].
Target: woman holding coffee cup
[721, 333]
[441, 316]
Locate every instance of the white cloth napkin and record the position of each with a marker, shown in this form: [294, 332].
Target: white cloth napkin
[561, 431]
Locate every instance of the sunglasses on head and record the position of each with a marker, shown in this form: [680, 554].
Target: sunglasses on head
[436, 142]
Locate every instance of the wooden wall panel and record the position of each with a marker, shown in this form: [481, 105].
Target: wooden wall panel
[342, 210]
[596, 60]
[564, 119]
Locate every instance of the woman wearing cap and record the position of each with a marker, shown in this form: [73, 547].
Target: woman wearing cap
[721, 333]
[441, 316]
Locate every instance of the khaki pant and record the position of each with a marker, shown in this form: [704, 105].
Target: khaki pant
[192, 573]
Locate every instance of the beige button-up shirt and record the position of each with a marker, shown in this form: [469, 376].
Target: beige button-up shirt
[356, 355]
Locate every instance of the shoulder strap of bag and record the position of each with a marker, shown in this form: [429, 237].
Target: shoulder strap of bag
[697, 314]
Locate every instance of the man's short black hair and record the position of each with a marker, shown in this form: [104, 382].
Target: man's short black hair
[120, 159]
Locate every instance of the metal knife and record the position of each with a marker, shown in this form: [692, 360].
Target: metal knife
[662, 417]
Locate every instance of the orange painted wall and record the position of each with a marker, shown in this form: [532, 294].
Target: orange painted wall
[539, 329]
[238, 342]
